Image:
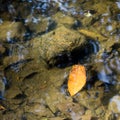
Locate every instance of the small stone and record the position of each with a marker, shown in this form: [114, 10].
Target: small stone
[60, 18]
[55, 42]
[114, 104]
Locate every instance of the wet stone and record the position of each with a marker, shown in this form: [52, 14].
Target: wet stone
[10, 30]
[114, 104]
[55, 42]
[90, 97]
[38, 109]
[12, 92]
[87, 21]
[37, 25]
[60, 18]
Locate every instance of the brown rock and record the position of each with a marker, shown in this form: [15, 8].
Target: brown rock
[55, 42]
[10, 30]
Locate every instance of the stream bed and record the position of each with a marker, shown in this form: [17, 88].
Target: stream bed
[40, 40]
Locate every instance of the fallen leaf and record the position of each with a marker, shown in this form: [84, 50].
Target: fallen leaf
[77, 79]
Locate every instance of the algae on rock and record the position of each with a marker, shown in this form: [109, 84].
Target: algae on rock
[55, 42]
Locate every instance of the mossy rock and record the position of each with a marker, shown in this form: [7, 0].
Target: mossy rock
[55, 42]
[10, 30]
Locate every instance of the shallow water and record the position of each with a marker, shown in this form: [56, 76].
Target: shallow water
[36, 86]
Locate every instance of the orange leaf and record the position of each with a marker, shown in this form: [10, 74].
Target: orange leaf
[77, 79]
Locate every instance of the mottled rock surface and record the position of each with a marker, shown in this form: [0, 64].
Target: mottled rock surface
[12, 30]
[55, 42]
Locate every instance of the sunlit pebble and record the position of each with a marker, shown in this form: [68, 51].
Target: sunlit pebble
[102, 20]
[74, 115]
[87, 14]
[9, 36]
[105, 14]
[115, 64]
[116, 100]
[21, 56]
[26, 20]
[109, 28]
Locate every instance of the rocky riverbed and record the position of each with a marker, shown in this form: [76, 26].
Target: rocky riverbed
[39, 43]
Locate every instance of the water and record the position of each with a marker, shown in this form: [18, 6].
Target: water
[101, 58]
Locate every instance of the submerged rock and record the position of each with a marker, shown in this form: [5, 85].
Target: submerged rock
[113, 112]
[55, 42]
[37, 25]
[38, 109]
[61, 18]
[10, 30]
[114, 105]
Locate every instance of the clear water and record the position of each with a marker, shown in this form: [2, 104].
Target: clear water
[43, 8]
[105, 62]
